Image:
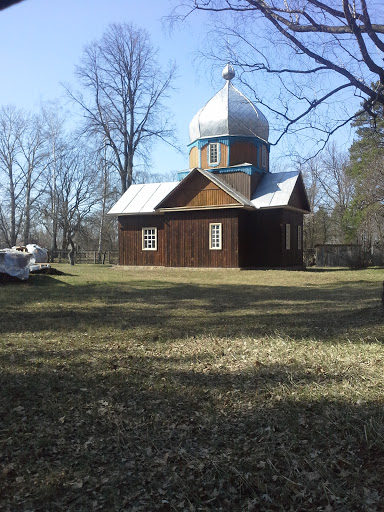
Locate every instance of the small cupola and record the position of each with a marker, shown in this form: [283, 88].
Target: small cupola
[229, 131]
[229, 113]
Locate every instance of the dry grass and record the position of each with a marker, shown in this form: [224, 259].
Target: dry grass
[177, 390]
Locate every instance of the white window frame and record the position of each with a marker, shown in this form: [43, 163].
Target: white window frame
[215, 236]
[149, 239]
[216, 151]
[299, 237]
[287, 237]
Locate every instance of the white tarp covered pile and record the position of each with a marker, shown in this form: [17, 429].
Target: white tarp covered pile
[15, 263]
[18, 263]
[39, 256]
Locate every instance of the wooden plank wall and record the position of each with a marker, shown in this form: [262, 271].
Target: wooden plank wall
[298, 199]
[194, 158]
[188, 239]
[198, 191]
[243, 152]
[250, 239]
[262, 238]
[183, 239]
[130, 240]
[239, 181]
[223, 157]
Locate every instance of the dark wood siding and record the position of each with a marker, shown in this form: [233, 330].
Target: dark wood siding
[188, 239]
[198, 191]
[262, 238]
[130, 240]
[241, 182]
[243, 152]
[293, 256]
[298, 198]
[249, 239]
[183, 239]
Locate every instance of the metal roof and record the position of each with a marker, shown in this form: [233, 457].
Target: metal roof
[142, 198]
[229, 112]
[275, 189]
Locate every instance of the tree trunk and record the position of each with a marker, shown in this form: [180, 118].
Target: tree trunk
[72, 252]
[27, 210]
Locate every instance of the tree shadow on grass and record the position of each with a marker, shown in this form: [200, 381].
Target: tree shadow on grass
[153, 310]
[155, 433]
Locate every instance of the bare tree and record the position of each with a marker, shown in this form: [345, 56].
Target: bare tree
[124, 88]
[310, 172]
[331, 193]
[56, 149]
[33, 150]
[12, 184]
[323, 53]
[338, 188]
[77, 193]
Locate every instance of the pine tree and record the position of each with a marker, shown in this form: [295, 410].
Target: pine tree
[366, 214]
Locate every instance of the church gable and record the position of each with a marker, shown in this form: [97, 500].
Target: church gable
[197, 190]
[299, 197]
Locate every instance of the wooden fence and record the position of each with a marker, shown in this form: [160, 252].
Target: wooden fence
[94, 257]
[344, 255]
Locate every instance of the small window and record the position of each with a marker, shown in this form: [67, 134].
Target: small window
[299, 237]
[149, 239]
[215, 236]
[213, 153]
[264, 157]
[287, 237]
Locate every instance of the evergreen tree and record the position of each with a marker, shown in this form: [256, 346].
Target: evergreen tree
[366, 213]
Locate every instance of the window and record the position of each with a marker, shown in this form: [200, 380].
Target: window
[264, 157]
[215, 236]
[287, 237]
[299, 237]
[213, 153]
[149, 239]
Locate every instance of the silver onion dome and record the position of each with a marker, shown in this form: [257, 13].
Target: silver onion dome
[229, 112]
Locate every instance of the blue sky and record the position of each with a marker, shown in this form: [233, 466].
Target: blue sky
[42, 41]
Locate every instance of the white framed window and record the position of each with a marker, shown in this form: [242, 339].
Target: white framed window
[287, 237]
[299, 237]
[213, 153]
[149, 239]
[215, 238]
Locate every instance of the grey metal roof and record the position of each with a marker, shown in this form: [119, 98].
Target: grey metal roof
[142, 198]
[275, 189]
[229, 112]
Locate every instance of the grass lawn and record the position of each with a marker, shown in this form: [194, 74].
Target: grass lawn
[182, 390]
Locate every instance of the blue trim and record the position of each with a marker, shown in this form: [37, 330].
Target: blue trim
[247, 169]
[182, 174]
[228, 140]
[201, 143]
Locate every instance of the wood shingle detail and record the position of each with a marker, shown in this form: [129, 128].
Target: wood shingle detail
[201, 189]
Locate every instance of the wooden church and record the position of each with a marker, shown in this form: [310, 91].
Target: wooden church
[227, 209]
